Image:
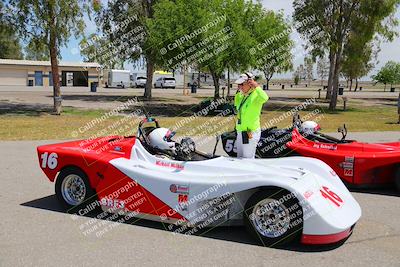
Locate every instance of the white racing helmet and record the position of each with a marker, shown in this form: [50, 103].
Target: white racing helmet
[310, 127]
[161, 138]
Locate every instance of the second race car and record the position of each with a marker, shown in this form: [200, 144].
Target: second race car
[358, 164]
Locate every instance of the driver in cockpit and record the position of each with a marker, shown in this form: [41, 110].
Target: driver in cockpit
[161, 140]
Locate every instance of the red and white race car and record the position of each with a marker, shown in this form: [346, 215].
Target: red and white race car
[278, 200]
[357, 164]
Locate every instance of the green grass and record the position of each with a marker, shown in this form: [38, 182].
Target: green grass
[356, 119]
[72, 123]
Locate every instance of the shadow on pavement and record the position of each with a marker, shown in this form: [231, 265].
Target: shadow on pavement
[385, 191]
[24, 109]
[236, 234]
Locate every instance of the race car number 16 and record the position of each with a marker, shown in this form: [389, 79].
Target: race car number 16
[328, 194]
[49, 160]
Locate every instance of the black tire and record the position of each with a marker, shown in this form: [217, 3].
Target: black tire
[89, 202]
[291, 211]
[397, 179]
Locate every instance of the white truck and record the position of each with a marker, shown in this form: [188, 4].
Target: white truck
[119, 79]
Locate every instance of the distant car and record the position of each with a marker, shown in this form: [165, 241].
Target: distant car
[165, 82]
[140, 82]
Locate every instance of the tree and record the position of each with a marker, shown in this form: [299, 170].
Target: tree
[309, 69]
[322, 69]
[36, 50]
[272, 53]
[300, 73]
[123, 23]
[388, 74]
[205, 34]
[356, 65]
[9, 42]
[358, 58]
[296, 77]
[332, 22]
[50, 23]
[96, 49]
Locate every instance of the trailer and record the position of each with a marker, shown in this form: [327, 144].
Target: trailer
[119, 79]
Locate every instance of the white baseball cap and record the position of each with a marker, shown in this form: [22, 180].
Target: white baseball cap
[244, 77]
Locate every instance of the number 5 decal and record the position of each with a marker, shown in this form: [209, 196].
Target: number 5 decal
[328, 194]
[230, 145]
[49, 160]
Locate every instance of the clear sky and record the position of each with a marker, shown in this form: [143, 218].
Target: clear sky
[389, 51]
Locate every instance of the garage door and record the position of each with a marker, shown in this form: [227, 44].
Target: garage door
[13, 77]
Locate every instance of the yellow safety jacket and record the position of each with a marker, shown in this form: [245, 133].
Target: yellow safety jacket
[249, 109]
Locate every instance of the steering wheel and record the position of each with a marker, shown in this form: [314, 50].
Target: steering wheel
[297, 120]
[186, 148]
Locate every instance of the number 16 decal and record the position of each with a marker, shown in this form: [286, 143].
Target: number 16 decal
[328, 194]
[49, 160]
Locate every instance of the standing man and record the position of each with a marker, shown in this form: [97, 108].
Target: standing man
[249, 101]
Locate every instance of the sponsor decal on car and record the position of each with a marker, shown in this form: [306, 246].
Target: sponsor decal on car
[179, 189]
[325, 146]
[183, 201]
[348, 166]
[169, 165]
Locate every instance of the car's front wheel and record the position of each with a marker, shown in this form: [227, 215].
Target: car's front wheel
[273, 217]
[74, 191]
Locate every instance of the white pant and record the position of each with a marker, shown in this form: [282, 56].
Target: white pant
[247, 150]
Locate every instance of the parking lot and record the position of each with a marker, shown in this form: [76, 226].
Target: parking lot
[34, 231]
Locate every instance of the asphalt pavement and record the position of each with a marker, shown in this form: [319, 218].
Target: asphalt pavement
[34, 231]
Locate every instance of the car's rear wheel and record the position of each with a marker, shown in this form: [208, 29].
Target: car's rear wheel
[273, 217]
[74, 191]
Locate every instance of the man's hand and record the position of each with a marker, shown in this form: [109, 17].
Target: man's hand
[253, 83]
[250, 135]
